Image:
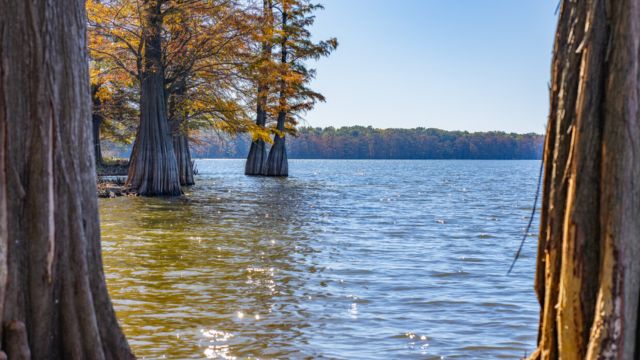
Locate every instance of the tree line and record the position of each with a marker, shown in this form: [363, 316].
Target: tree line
[164, 69]
[359, 142]
[54, 302]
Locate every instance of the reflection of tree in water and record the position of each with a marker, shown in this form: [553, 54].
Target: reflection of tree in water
[219, 271]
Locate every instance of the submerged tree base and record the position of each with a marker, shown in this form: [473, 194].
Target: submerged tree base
[183, 157]
[256, 160]
[277, 163]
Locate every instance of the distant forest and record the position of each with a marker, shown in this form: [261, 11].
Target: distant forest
[359, 142]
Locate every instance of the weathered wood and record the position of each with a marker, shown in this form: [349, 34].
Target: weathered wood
[590, 222]
[55, 282]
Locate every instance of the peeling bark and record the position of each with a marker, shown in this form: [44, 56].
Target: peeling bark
[55, 298]
[588, 272]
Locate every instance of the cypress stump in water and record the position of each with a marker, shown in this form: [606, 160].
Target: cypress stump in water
[53, 296]
[588, 264]
[153, 168]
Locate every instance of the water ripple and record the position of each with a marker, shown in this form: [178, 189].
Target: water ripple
[344, 260]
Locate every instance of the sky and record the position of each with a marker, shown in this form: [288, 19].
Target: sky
[476, 65]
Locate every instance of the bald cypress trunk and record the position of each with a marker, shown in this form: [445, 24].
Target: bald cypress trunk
[257, 157]
[180, 138]
[54, 296]
[153, 169]
[97, 123]
[97, 146]
[277, 162]
[183, 154]
[588, 271]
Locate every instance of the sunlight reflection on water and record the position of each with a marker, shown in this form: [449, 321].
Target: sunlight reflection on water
[345, 259]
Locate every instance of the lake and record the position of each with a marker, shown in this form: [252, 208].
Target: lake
[342, 260]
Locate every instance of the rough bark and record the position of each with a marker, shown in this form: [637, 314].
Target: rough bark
[588, 274]
[153, 169]
[55, 300]
[257, 157]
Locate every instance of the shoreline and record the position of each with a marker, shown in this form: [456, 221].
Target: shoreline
[111, 178]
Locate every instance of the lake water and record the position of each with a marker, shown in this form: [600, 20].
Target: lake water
[342, 260]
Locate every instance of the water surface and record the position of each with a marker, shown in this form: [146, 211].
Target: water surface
[342, 260]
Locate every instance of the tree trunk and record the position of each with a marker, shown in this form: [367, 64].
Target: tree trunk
[183, 154]
[180, 137]
[153, 169]
[257, 157]
[55, 301]
[277, 162]
[588, 270]
[97, 147]
[97, 123]
[256, 160]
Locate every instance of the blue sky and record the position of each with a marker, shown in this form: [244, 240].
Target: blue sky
[472, 65]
